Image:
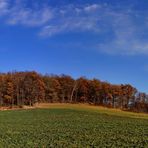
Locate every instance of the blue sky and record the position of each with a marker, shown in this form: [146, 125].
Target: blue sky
[106, 39]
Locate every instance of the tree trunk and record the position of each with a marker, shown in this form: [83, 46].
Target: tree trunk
[72, 93]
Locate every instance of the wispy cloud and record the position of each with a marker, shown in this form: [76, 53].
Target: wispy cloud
[17, 13]
[29, 17]
[3, 7]
[92, 7]
[123, 30]
[73, 18]
[128, 34]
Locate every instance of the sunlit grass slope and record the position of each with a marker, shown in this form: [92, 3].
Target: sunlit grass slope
[92, 108]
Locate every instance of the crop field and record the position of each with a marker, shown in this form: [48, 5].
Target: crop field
[72, 126]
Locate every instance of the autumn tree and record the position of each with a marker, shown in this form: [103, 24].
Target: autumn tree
[8, 89]
[67, 84]
[83, 90]
[2, 89]
[52, 89]
[94, 91]
[34, 88]
[27, 88]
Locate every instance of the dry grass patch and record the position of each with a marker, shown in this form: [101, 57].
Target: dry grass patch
[100, 109]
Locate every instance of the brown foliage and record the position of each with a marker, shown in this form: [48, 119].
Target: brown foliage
[27, 88]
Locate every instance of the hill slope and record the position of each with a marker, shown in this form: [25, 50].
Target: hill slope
[67, 125]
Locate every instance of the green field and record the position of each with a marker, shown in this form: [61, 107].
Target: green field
[72, 127]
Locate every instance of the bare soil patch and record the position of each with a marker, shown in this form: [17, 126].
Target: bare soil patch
[16, 108]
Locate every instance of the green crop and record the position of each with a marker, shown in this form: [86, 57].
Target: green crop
[70, 128]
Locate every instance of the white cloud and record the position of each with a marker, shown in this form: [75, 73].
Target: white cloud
[128, 36]
[72, 18]
[124, 35]
[120, 29]
[92, 7]
[3, 4]
[124, 47]
[29, 17]
[17, 13]
[3, 7]
[70, 24]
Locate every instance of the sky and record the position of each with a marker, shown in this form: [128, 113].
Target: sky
[105, 39]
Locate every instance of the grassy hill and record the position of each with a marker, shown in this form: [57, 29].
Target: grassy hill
[68, 125]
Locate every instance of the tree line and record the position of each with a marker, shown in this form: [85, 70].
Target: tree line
[28, 88]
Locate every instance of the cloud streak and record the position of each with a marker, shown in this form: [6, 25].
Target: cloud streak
[120, 29]
[72, 19]
[29, 17]
[129, 36]
[123, 34]
[3, 7]
[18, 14]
